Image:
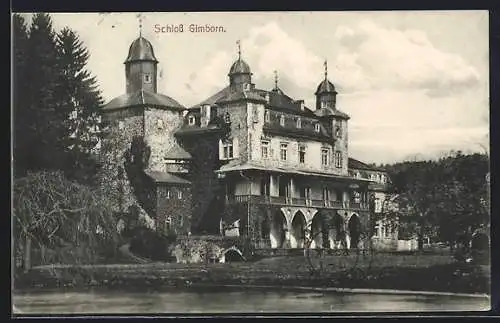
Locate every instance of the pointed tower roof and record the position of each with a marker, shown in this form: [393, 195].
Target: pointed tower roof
[239, 66]
[325, 86]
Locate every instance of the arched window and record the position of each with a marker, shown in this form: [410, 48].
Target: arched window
[316, 127]
[267, 117]
[160, 124]
[282, 120]
[299, 123]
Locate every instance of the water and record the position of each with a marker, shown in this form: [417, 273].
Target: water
[235, 301]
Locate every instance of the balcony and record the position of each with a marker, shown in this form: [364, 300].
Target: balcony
[294, 201]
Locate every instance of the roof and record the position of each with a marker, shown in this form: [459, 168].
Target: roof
[164, 177]
[325, 87]
[356, 164]
[240, 67]
[241, 95]
[141, 50]
[142, 97]
[214, 98]
[211, 128]
[248, 166]
[325, 112]
[177, 152]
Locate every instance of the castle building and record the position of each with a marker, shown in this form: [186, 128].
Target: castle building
[246, 161]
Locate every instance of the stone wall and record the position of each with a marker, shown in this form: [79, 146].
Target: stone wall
[160, 125]
[203, 249]
[124, 125]
[239, 129]
[341, 144]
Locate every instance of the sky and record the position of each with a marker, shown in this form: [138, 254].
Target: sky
[415, 84]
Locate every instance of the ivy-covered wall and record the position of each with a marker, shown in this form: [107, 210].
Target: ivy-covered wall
[174, 205]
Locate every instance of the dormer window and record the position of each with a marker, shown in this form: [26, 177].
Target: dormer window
[282, 120]
[316, 127]
[191, 120]
[299, 123]
[147, 78]
[267, 117]
[160, 124]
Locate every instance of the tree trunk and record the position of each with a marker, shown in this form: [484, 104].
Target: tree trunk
[27, 254]
[43, 250]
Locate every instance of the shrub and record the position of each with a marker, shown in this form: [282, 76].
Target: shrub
[151, 244]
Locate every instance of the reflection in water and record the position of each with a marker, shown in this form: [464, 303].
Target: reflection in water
[248, 301]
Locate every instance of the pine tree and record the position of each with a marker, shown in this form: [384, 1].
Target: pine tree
[82, 99]
[47, 145]
[23, 119]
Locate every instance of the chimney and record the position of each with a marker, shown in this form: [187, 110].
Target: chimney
[205, 115]
[301, 104]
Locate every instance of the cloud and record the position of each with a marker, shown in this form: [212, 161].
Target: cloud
[267, 48]
[372, 57]
[391, 125]
[405, 95]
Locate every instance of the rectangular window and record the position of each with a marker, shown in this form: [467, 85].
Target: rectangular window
[160, 124]
[302, 154]
[299, 123]
[338, 159]
[227, 150]
[325, 160]
[147, 78]
[267, 117]
[168, 194]
[265, 149]
[283, 151]
[338, 131]
[179, 195]
[255, 113]
[282, 120]
[316, 127]
[168, 223]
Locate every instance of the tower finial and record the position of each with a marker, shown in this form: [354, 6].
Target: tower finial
[239, 49]
[326, 69]
[139, 16]
[275, 79]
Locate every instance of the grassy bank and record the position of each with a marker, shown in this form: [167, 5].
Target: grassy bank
[419, 272]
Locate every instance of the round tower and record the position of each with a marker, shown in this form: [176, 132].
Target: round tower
[326, 95]
[141, 67]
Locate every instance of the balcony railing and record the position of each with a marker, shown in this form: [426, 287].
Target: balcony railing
[296, 201]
